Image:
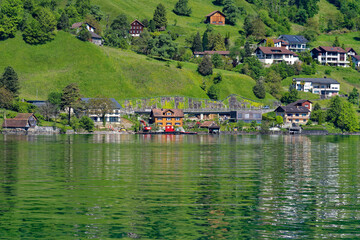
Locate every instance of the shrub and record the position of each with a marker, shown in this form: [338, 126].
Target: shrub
[86, 123]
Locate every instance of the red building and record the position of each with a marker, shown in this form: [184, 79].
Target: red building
[136, 28]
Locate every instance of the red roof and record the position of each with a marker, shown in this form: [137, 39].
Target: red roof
[77, 25]
[208, 124]
[357, 57]
[331, 49]
[276, 51]
[212, 13]
[137, 22]
[162, 112]
[24, 116]
[15, 123]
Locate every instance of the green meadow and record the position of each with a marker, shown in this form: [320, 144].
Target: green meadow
[108, 72]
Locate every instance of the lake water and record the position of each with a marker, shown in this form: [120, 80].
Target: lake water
[179, 187]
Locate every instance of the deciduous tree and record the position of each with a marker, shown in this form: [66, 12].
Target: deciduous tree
[101, 106]
[70, 97]
[181, 8]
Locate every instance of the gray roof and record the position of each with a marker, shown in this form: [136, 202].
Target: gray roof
[292, 109]
[94, 35]
[117, 105]
[37, 103]
[318, 80]
[294, 39]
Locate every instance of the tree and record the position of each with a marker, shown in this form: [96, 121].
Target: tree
[336, 42]
[10, 81]
[247, 49]
[197, 44]
[101, 106]
[354, 96]
[152, 26]
[259, 89]
[334, 109]
[11, 14]
[96, 12]
[121, 25]
[257, 28]
[347, 119]
[162, 46]
[40, 29]
[48, 110]
[205, 41]
[55, 98]
[70, 97]
[86, 123]
[63, 23]
[290, 97]
[84, 34]
[218, 78]
[6, 98]
[217, 61]
[159, 18]
[181, 8]
[231, 11]
[118, 33]
[219, 44]
[214, 92]
[205, 66]
[83, 7]
[279, 120]
[269, 42]
[219, 2]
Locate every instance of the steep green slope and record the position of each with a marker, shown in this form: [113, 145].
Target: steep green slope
[107, 71]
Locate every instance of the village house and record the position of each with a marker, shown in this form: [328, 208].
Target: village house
[326, 87]
[277, 43]
[112, 117]
[167, 117]
[350, 52]
[296, 112]
[270, 55]
[22, 120]
[210, 53]
[215, 18]
[95, 38]
[296, 43]
[136, 28]
[356, 60]
[333, 56]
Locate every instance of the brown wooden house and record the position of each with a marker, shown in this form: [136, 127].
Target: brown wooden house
[167, 117]
[215, 18]
[136, 28]
[22, 120]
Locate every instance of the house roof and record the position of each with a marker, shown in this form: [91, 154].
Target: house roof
[292, 109]
[350, 49]
[212, 13]
[94, 35]
[37, 103]
[276, 50]
[24, 116]
[78, 24]
[318, 80]
[294, 39]
[116, 104]
[213, 52]
[357, 57]
[137, 22]
[298, 102]
[15, 123]
[329, 49]
[156, 112]
[283, 42]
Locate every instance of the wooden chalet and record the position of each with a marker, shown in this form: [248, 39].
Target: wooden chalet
[22, 120]
[215, 18]
[167, 117]
[211, 126]
[136, 28]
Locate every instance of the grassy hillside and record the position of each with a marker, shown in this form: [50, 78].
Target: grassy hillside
[107, 71]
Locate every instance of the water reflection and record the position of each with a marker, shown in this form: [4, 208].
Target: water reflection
[179, 187]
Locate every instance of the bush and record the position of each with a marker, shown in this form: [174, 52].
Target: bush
[327, 71]
[23, 107]
[86, 123]
[39, 117]
[179, 65]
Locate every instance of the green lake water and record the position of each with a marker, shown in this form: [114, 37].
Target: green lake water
[179, 187]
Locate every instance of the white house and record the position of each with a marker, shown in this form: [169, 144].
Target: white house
[95, 38]
[350, 52]
[277, 43]
[270, 55]
[112, 117]
[333, 56]
[296, 43]
[326, 87]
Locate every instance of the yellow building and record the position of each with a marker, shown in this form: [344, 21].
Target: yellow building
[167, 117]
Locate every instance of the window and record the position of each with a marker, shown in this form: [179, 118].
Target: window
[177, 119]
[113, 119]
[297, 114]
[177, 124]
[247, 116]
[159, 119]
[297, 120]
[168, 123]
[306, 105]
[159, 123]
[168, 113]
[304, 115]
[168, 119]
[290, 115]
